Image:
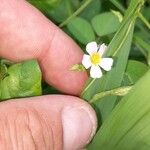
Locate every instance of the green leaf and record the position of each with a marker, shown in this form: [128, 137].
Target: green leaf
[121, 91]
[105, 23]
[135, 70]
[61, 12]
[118, 49]
[146, 13]
[118, 14]
[22, 80]
[127, 128]
[143, 46]
[81, 30]
[46, 4]
[91, 10]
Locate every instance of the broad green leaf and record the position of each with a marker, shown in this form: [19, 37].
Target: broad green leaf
[105, 23]
[135, 70]
[81, 30]
[127, 128]
[22, 80]
[91, 10]
[118, 49]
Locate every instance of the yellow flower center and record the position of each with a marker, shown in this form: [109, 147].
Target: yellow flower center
[95, 58]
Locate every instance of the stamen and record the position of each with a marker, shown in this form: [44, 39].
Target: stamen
[95, 58]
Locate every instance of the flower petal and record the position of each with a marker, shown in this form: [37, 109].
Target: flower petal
[91, 47]
[86, 61]
[102, 49]
[95, 72]
[106, 63]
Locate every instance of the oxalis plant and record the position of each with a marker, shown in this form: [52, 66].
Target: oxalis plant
[114, 36]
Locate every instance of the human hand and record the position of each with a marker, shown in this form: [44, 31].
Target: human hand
[53, 122]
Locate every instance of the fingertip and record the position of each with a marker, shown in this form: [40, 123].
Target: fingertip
[79, 127]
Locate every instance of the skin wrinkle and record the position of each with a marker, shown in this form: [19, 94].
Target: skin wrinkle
[4, 131]
[44, 126]
[50, 133]
[38, 118]
[21, 121]
[11, 130]
[16, 135]
[30, 130]
[19, 140]
[27, 119]
[10, 135]
[1, 137]
[40, 122]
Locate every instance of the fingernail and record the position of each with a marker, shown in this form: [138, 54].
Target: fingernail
[79, 126]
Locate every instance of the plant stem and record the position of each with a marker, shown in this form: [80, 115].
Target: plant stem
[124, 38]
[121, 8]
[118, 91]
[87, 87]
[118, 5]
[141, 45]
[144, 20]
[77, 12]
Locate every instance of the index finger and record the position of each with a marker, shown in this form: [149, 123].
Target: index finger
[25, 33]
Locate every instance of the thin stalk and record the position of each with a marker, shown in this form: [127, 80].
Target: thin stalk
[87, 87]
[118, 91]
[76, 13]
[139, 44]
[144, 20]
[118, 5]
[121, 8]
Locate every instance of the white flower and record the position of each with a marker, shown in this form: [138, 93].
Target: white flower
[95, 60]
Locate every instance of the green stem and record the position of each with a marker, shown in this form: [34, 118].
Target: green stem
[118, 91]
[118, 5]
[144, 20]
[87, 87]
[77, 12]
[124, 38]
[121, 8]
[141, 45]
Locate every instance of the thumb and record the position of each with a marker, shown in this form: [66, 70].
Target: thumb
[47, 122]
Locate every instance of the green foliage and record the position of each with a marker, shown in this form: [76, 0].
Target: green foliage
[135, 70]
[46, 4]
[20, 80]
[81, 30]
[119, 49]
[91, 10]
[105, 23]
[127, 128]
[55, 13]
